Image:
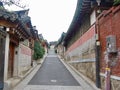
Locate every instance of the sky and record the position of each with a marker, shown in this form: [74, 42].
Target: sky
[51, 17]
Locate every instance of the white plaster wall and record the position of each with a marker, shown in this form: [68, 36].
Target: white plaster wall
[93, 17]
[24, 58]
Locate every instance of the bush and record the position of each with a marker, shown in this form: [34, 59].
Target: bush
[116, 2]
[38, 51]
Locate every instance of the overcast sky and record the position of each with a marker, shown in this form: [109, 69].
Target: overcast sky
[51, 17]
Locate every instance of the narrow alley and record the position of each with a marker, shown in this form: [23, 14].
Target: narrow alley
[60, 45]
[53, 74]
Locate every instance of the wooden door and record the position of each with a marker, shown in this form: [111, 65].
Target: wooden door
[11, 60]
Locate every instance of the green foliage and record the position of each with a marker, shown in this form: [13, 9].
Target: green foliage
[116, 2]
[38, 51]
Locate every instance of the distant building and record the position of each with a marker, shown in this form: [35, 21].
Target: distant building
[59, 46]
[40, 36]
[52, 44]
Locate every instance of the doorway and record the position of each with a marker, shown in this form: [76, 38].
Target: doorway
[11, 60]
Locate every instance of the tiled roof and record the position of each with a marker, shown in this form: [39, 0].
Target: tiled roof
[8, 15]
[83, 6]
[22, 13]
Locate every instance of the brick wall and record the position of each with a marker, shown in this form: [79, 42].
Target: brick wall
[109, 24]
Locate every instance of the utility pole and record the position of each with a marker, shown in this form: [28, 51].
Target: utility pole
[107, 72]
[110, 56]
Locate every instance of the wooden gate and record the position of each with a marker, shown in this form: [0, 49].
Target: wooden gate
[11, 60]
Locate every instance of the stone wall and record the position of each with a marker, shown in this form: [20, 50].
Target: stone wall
[60, 50]
[115, 82]
[86, 68]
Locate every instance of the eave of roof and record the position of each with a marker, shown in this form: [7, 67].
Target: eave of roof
[83, 6]
[61, 39]
[8, 15]
[22, 12]
[13, 18]
[2, 33]
[25, 19]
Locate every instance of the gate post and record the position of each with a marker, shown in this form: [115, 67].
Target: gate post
[2, 55]
[2, 50]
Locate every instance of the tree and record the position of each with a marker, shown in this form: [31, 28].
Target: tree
[38, 51]
[116, 2]
[13, 2]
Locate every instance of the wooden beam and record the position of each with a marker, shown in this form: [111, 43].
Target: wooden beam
[6, 23]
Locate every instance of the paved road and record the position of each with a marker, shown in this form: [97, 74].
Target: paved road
[53, 72]
[53, 75]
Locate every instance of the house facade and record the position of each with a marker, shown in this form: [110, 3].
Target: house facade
[85, 41]
[17, 43]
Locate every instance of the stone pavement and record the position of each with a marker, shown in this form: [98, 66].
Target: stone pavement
[29, 84]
